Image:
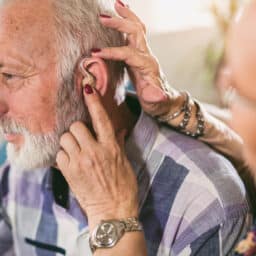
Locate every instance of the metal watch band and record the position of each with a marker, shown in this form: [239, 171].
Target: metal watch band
[132, 224]
[115, 231]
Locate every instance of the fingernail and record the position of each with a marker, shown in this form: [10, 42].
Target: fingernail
[88, 89]
[95, 50]
[121, 3]
[105, 16]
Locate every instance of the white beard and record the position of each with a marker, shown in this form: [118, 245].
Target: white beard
[37, 151]
[40, 150]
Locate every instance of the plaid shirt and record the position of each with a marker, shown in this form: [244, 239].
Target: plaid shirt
[192, 201]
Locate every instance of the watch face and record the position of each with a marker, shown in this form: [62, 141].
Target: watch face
[106, 234]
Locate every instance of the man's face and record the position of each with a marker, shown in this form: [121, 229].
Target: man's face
[242, 55]
[28, 84]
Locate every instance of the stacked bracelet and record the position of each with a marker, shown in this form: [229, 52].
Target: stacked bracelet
[187, 110]
[187, 115]
[200, 123]
[172, 116]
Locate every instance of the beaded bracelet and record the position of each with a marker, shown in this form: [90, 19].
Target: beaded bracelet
[187, 110]
[200, 123]
[184, 123]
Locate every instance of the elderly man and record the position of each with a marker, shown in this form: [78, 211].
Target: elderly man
[191, 199]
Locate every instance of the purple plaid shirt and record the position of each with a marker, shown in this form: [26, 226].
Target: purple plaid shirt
[192, 202]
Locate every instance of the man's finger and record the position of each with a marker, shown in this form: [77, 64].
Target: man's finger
[82, 135]
[62, 160]
[69, 144]
[100, 119]
[121, 138]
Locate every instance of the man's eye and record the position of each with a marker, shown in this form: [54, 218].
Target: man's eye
[8, 76]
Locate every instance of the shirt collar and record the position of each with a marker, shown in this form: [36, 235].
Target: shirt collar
[141, 141]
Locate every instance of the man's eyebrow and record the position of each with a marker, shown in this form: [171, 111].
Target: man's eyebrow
[15, 58]
[12, 65]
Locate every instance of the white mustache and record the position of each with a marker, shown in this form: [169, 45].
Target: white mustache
[11, 126]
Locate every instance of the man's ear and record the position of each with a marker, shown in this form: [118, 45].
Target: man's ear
[93, 71]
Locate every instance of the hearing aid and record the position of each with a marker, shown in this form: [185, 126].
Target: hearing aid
[88, 78]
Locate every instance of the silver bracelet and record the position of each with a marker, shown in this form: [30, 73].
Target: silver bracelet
[171, 116]
[187, 110]
[184, 123]
[200, 123]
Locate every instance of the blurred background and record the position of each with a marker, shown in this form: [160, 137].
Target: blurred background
[188, 37]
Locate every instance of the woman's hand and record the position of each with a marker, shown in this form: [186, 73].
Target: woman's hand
[96, 167]
[143, 67]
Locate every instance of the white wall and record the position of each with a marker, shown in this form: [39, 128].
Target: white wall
[165, 15]
[182, 57]
[180, 32]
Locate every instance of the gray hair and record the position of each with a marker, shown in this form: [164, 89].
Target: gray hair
[78, 30]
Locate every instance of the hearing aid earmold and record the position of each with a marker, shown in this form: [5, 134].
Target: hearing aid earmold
[88, 77]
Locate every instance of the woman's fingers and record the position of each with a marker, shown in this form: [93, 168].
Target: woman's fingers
[134, 30]
[129, 55]
[126, 12]
[100, 119]
[122, 25]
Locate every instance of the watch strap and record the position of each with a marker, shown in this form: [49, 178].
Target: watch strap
[132, 224]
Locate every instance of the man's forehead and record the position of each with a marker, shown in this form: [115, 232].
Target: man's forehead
[23, 16]
[26, 27]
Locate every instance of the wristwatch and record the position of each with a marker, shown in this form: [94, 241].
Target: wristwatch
[109, 232]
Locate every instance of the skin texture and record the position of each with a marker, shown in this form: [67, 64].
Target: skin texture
[242, 59]
[28, 83]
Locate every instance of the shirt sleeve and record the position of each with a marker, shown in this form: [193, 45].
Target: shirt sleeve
[220, 240]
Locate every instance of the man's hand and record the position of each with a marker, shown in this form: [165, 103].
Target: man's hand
[96, 168]
[143, 67]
